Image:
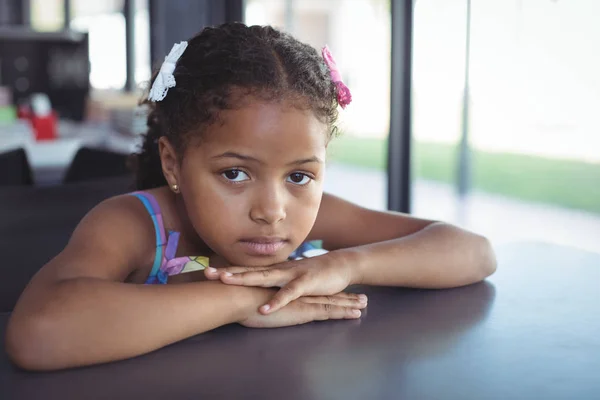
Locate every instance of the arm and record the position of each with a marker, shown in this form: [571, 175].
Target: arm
[90, 321]
[373, 248]
[394, 249]
[438, 256]
[78, 311]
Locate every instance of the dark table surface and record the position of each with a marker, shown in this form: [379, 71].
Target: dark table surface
[532, 331]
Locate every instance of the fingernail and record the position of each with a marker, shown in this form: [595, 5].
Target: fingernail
[265, 308]
[228, 274]
[356, 313]
[362, 298]
[212, 270]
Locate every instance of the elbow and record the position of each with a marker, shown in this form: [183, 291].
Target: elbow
[26, 343]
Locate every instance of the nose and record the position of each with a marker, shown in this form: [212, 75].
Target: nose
[269, 205]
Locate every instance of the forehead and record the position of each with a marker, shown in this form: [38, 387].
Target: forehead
[273, 129]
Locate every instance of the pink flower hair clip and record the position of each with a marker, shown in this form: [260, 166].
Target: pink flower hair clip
[344, 97]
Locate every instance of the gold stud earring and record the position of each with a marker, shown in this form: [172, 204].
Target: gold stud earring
[175, 188]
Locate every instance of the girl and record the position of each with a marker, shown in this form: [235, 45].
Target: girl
[232, 172]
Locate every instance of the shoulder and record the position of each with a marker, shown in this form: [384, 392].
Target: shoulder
[113, 240]
[122, 215]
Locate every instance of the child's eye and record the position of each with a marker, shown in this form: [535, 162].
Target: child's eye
[235, 175]
[299, 178]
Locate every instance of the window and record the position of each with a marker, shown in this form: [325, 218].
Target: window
[105, 24]
[532, 117]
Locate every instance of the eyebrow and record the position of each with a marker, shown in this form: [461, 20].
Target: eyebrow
[230, 154]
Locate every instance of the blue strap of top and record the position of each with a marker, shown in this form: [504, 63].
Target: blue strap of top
[145, 199]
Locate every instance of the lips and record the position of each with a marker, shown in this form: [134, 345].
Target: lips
[263, 245]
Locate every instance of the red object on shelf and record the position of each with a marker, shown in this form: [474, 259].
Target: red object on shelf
[44, 127]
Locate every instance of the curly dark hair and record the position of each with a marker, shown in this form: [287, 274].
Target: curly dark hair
[219, 67]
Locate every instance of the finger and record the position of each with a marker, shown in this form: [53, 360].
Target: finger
[264, 278]
[215, 273]
[287, 293]
[328, 311]
[353, 296]
[335, 300]
[211, 274]
[239, 270]
[360, 297]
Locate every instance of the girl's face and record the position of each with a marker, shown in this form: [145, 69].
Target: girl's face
[253, 187]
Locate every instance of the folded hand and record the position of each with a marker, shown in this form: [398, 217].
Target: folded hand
[319, 276]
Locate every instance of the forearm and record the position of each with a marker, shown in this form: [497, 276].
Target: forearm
[89, 321]
[438, 256]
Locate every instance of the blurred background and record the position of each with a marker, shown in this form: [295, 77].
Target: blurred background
[502, 132]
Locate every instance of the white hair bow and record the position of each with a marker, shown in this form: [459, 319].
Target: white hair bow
[165, 79]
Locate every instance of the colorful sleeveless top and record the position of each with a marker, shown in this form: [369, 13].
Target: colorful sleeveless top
[165, 262]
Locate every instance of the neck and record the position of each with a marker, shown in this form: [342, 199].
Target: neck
[183, 225]
[189, 239]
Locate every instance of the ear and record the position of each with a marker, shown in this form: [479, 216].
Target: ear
[169, 161]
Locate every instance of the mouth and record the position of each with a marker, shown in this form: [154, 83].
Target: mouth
[263, 245]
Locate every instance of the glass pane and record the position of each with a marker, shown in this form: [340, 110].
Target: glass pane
[47, 15]
[533, 128]
[141, 43]
[105, 23]
[358, 157]
[437, 93]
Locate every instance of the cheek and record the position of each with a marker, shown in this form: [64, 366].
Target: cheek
[212, 207]
[304, 209]
[215, 222]
[209, 206]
